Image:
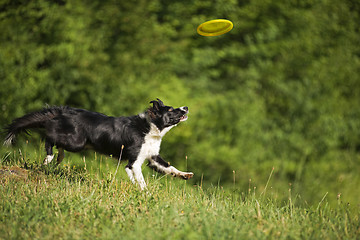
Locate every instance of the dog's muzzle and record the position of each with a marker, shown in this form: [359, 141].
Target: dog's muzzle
[185, 111]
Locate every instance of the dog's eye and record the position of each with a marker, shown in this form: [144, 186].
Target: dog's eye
[171, 109]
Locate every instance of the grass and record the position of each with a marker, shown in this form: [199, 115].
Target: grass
[71, 202]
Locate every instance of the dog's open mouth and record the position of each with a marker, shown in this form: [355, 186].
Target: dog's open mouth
[183, 118]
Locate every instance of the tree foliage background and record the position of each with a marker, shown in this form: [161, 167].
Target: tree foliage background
[280, 90]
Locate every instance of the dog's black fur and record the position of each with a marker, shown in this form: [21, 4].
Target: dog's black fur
[73, 129]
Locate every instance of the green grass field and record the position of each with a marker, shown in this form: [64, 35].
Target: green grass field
[87, 202]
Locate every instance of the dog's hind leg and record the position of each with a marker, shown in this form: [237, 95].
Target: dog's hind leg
[60, 156]
[49, 152]
[159, 165]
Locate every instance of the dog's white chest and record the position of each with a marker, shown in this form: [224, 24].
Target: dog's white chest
[152, 141]
[151, 146]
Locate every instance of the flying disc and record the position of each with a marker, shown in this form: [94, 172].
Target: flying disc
[215, 27]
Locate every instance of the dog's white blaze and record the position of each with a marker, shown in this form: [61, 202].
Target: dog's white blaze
[48, 159]
[183, 109]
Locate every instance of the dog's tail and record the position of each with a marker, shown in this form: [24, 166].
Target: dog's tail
[31, 120]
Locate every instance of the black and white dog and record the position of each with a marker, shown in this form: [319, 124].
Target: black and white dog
[72, 129]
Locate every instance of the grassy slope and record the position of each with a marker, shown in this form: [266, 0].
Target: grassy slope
[72, 203]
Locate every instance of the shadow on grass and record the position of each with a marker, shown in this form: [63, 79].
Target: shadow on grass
[19, 167]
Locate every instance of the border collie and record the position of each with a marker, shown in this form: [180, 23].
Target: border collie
[73, 129]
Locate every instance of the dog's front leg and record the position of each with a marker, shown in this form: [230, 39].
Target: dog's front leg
[133, 169]
[130, 173]
[159, 165]
[139, 177]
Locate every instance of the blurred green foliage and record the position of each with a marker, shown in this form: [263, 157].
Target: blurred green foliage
[282, 89]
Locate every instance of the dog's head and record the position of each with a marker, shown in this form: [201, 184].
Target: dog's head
[166, 116]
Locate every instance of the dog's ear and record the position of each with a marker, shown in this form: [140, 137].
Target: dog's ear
[154, 110]
[160, 103]
[157, 104]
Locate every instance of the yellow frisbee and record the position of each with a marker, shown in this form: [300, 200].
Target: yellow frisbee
[215, 27]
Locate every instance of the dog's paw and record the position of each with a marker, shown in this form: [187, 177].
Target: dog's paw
[186, 175]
